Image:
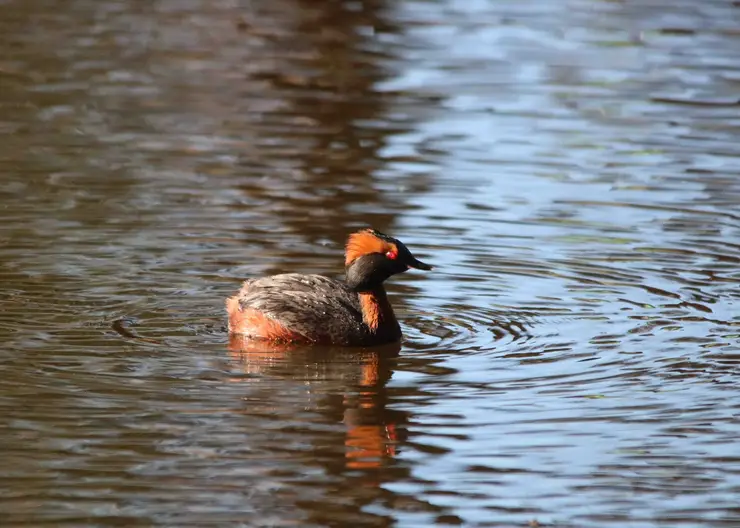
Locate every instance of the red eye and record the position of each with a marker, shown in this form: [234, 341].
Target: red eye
[392, 255]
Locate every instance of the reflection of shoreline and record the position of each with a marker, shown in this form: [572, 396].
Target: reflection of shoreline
[371, 430]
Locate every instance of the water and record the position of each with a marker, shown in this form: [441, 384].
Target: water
[570, 167]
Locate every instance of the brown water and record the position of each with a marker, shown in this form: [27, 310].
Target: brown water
[571, 167]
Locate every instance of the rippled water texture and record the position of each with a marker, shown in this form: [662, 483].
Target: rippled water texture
[570, 167]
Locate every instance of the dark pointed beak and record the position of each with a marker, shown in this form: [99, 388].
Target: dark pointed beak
[417, 264]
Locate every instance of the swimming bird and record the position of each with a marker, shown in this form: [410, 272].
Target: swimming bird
[313, 309]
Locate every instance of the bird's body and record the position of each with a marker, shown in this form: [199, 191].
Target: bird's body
[314, 309]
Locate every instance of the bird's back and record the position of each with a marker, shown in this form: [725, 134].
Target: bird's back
[296, 307]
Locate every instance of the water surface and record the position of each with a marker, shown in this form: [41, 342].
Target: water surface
[570, 167]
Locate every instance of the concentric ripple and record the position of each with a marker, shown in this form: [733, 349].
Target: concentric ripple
[460, 327]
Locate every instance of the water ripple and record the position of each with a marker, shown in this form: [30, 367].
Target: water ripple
[570, 168]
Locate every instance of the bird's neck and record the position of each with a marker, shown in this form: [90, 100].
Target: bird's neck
[377, 313]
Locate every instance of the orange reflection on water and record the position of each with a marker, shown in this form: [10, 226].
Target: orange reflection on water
[372, 432]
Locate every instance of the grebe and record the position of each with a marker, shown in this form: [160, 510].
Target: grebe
[314, 309]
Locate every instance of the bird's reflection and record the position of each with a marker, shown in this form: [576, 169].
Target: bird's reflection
[372, 431]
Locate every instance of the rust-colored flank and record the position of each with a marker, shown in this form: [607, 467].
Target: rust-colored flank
[257, 325]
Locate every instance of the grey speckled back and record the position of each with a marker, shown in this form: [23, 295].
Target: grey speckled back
[315, 306]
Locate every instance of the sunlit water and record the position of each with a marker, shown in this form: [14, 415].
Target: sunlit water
[570, 167]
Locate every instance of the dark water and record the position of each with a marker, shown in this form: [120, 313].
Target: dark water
[571, 167]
